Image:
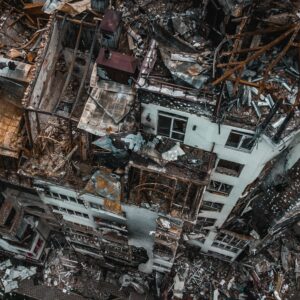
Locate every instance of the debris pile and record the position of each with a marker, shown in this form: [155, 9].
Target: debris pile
[273, 273]
[60, 271]
[11, 275]
[142, 131]
[85, 276]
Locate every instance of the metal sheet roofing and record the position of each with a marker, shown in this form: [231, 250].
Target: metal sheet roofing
[108, 104]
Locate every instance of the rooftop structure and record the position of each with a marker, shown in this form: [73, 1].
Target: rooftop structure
[139, 135]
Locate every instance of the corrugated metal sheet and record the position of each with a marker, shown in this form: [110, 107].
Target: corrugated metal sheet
[108, 104]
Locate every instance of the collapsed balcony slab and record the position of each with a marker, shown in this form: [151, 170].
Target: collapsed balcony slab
[107, 106]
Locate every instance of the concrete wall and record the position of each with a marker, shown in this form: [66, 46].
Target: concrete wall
[140, 222]
[204, 134]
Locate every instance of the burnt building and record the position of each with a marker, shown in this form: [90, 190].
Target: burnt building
[25, 225]
[138, 144]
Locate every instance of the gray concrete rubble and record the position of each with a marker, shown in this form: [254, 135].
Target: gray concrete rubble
[11, 275]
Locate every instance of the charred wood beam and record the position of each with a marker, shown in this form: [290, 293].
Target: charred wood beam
[239, 44]
[233, 63]
[236, 46]
[265, 48]
[260, 31]
[77, 22]
[245, 82]
[171, 84]
[30, 109]
[282, 53]
[245, 50]
[216, 54]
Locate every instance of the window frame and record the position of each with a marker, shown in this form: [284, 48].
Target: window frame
[229, 243]
[243, 135]
[211, 208]
[171, 130]
[219, 191]
[230, 171]
[96, 206]
[203, 222]
[64, 198]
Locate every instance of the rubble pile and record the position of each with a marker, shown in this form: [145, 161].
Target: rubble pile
[85, 276]
[12, 275]
[60, 271]
[154, 145]
[271, 274]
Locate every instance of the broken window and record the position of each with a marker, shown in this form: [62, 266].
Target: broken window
[54, 207]
[240, 140]
[229, 239]
[172, 126]
[72, 199]
[55, 195]
[229, 168]
[229, 243]
[204, 222]
[64, 198]
[70, 212]
[221, 188]
[96, 206]
[212, 206]
[81, 202]
[225, 247]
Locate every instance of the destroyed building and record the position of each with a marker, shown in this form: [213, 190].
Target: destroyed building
[138, 130]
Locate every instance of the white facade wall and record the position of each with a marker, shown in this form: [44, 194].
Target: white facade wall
[202, 133]
[140, 221]
[72, 206]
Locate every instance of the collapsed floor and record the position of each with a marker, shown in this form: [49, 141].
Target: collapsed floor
[137, 134]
